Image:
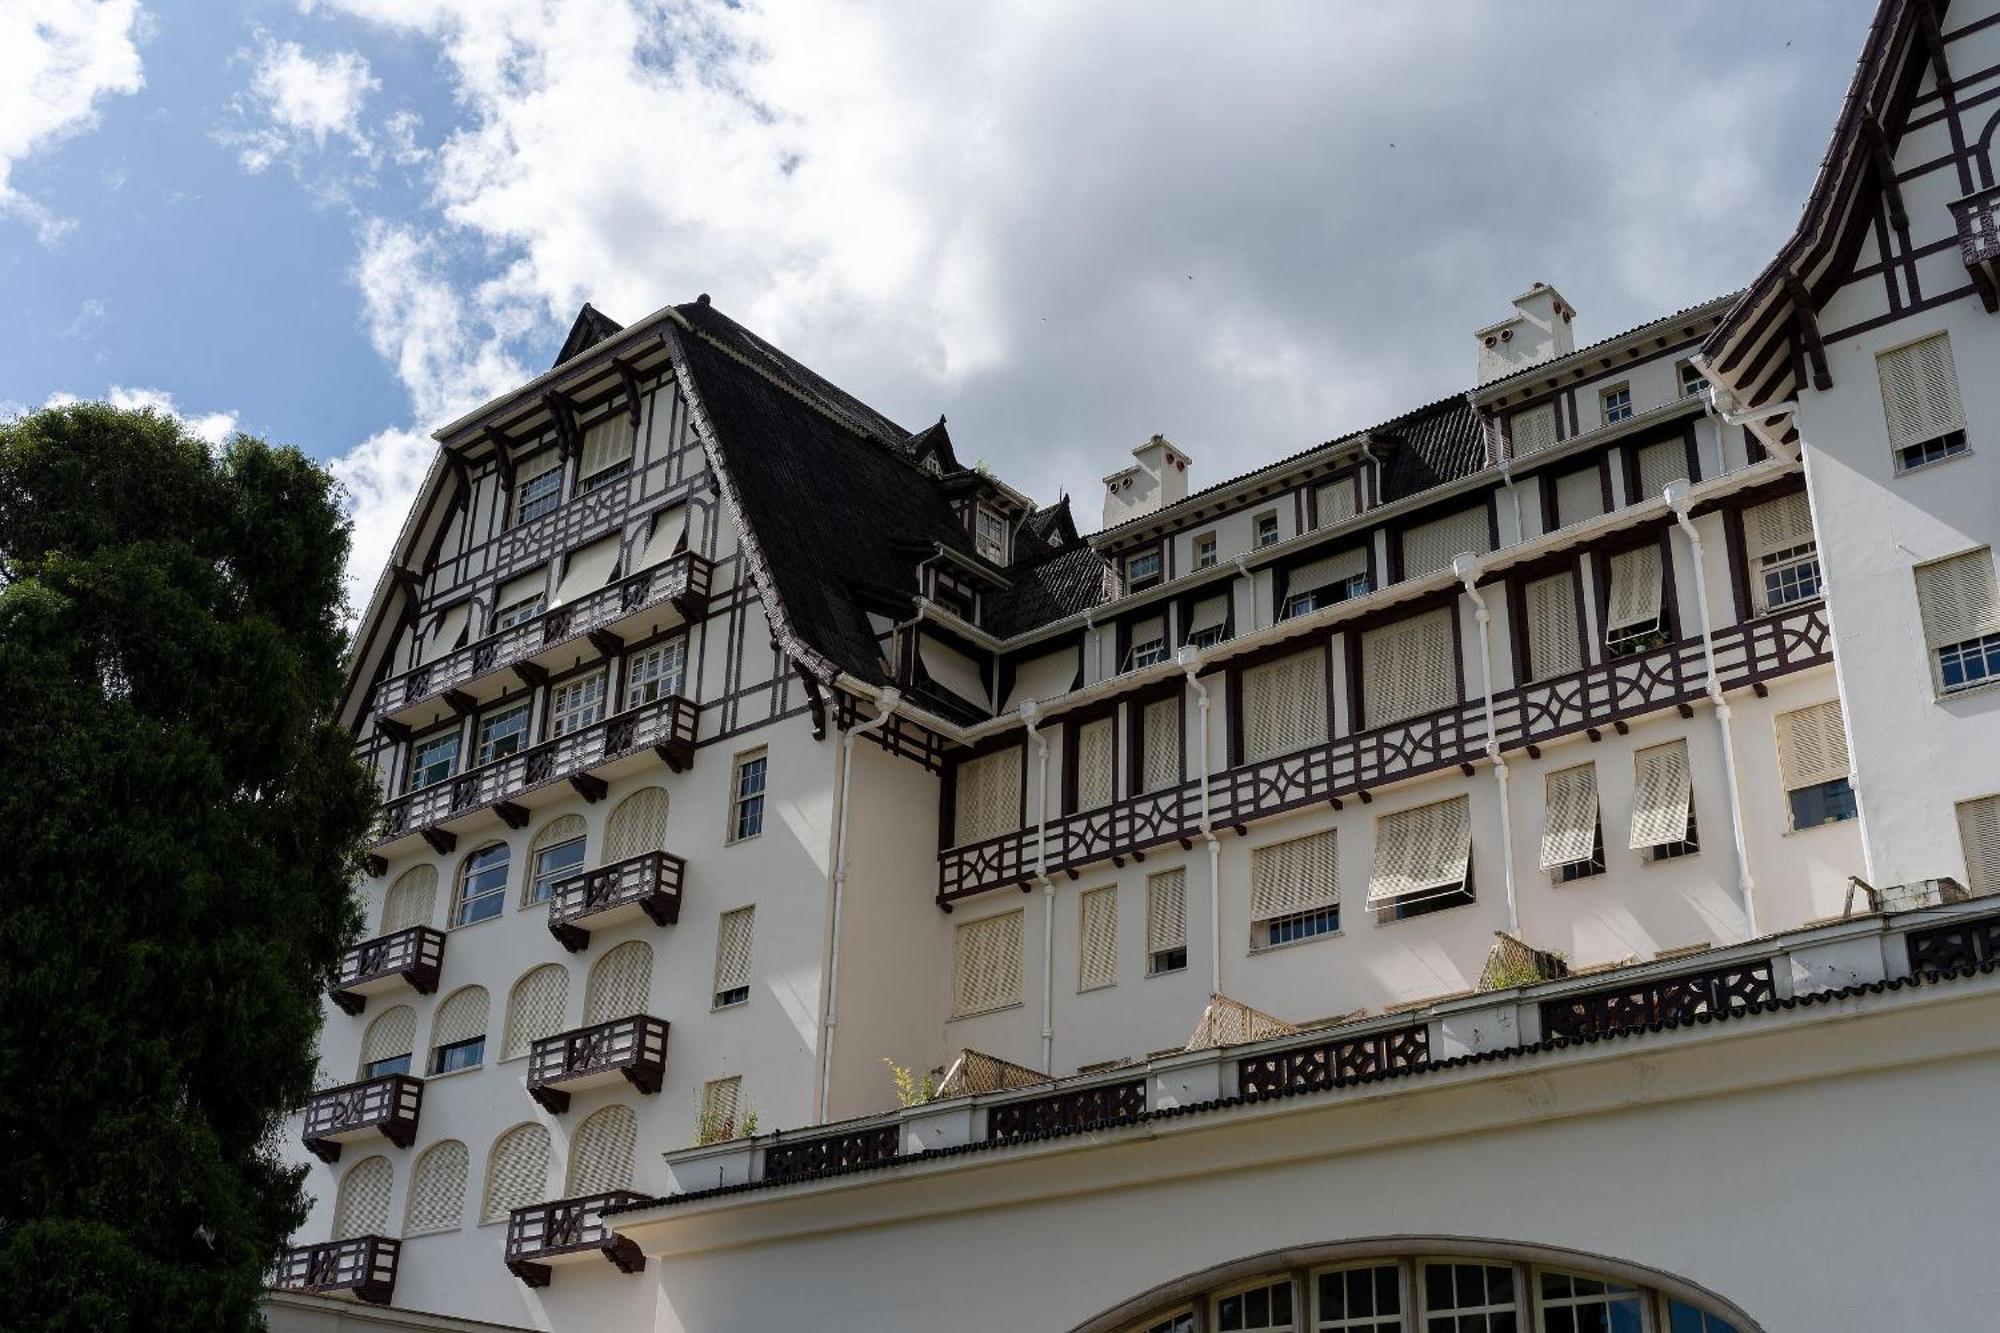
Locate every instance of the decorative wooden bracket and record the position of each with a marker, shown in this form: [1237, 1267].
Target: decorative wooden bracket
[1885, 168]
[412, 586]
[534, 677]
[605, 642]
[1927, 24]
[461, 477]
[395, 731]
[630, 378]
[443, 841]
[564, 417]
[503, 458]
[513, 816]
[461, 703]
[815, 701]
[591, 789]
[378, 866]
[1808, 318]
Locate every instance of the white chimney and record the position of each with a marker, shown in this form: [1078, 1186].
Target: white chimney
[1158, 479]
[1539, 330]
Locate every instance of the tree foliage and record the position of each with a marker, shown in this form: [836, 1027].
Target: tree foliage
[183, 817]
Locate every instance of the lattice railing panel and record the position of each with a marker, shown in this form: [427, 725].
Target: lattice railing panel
[1955, 947]
[1075, 1108]
[1654, 1000]
[1327, 1063]
[831, 1152]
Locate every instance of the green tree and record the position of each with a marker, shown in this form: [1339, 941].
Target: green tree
[182, 815]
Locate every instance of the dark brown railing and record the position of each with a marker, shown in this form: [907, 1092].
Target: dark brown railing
[651, 880]
[831, 1152]
[1654, 1000]
[1597, 696]
[363, 1267]
[1328, 1063]
[416, 955]
[391, 1104]
[1978, 217]
[568, 1226]
[1954, 947]
[1076, 1108]
[635, 1047]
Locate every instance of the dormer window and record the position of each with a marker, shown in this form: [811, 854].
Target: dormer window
[1617, 402]
[990, 536]
[1267, 530]
[1692, 383]
[1142, 571]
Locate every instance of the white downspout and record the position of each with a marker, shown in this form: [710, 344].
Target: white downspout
[886, 701]
[1677, 496]
[1467, 568]
[1030, 712]
[1190, 659]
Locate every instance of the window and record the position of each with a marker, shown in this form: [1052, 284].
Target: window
[482, 885]
[1423, 859]
[1409, 668]
[1663, 802]
[1368, 1299]
[1784, 557]
[1267, 530]
[577, 704]
[1617, 404]
[517, 1172]
[1579, 496]
[437, 1190]
[362, 1206]
[1166, 922]
[1684, 1318]
[1533, 430]
[1692, 383]
[1632, 618]
[607, 451]
[1208, 623]
[522, 611]
[732, 956]
[1555, 645]
[991, 537]
[1160, 742]
[1096, 767]
[1573, 1304]
[986, 965]
[1206, 637]
[1960, 605]
[986, 794]
[1813, 764]
[1659, 466]
[1264, 1308]
[1204, 551]
[1920, 402]
[721, 1106]
[620, 985]
[1430, 547]
[458, 1031]
[746, 799]
[1294, 890]
[458, 1055]
[600, 1157]
[657, 673]
[1327, 581]
[539, 491]
[410, 900]
[1333, 502]
[1150, 651]
[535, 1008]
[502, 733]
[1822, 803]
[387, 1043]
[556, 855]
[1097, 938]
[1468, 1298]
[1142, 571]
[433, 759]
[1284, 706]
[1572, 836]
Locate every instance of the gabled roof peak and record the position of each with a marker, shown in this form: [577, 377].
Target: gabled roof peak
[592, 327]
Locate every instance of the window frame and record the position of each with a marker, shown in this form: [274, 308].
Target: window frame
[637, 661]
[497, 894]
[747, 806]
[507, 617]
[1265, 530]
[1138, 582]
[455, 733]
[543, 486]
[1207, 550]
[484, 745]
[981, 516]
[438, 1065]
[539, 877]
[564, 721]
[1614, 403]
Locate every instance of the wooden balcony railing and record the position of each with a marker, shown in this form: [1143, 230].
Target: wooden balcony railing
[1652, 1000]
[649, 883]
[1978, 216]
[1598, 696]
[831, 1152]
[635, 1047]
[363, 1267]
[388, 1106]
[1319, 1065]
[412, 956]
[542, 1232]
[682, 581]
[1956, 947]
[1072, 1108]
[667, 726]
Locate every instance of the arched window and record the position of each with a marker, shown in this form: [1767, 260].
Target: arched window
[535, 1008]
[517, 1172]
[554, 856]
[362, 1208]
[621, 984]
[410, 900]
[386, 1045]
[600, 1155]
[637, 826]
[482, 885]
[437, 1190]
[458, 1031]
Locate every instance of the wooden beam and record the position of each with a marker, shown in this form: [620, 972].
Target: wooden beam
[1989, 292]
[503, 458]
[564, 417]
[534, 677]
[592, 789]
[630, 378]
[395, 731]
[1885, 168]
[461, 703]
[513, 816]
[442, 841]
[1808, 318]
[605, 642]
[1927, 24]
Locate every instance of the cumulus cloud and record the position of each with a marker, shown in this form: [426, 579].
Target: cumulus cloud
[298, 101]
[58, 60]
[213, 427]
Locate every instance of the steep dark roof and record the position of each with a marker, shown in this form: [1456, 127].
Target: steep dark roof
[1073, 579]
[1435, 444]
[592, 327]
[1051, 527]
[740, 342]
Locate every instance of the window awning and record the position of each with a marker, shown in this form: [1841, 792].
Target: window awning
[1782, 524]
[1422, 851]
[607, 444]
[1958, 598]
[1662, 796]
[1569, 830]
[669, 528]
[590, 568]
[953, 670]
[1635, 589]
[548, 460]
[445, 634]
[1327, 571]
[1812, 746]
[1147, 630]
[1211, 613]
[1409, 668]
[515, 591]
[1044, 677]
[1298, 875]
[1096, 765]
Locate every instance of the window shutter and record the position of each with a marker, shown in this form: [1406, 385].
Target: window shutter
[600, 1156]
[363, 1206]
[1533, 430]
[535, 1008]
[437, 1189]
[411, 899]
[957, 673]
[1569, 831]
[1979, 834]
[721, 1099]
[1777, 525]
[1298, 875]
[1579, 496]
[1144, 632]
[521, 589]
[1635, 589]
[1920, 391]
[989, 796]
[1096, 765]
[1659, 464]
[461, 1017]
[526, 471]
[1166, 911]
[1097, 962]
[1663, 794]
[392, 1034]
[444, 635]
[1045, 677]
[1327, 571]
[1553, 645]
[1163, 744]
[1284, 706]
[1958, 598]
[986, 972]
[1409, 668]
[588, 569]
[621, 983]
[1421, 851]
[732, 949]
[1812, 746]
[668, 535]
[1210, 614]
[638, 825]
[517, 1172]
[1432, 546]
[1335, 501]
[607, 444]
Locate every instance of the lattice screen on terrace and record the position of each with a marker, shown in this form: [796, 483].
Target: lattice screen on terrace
[437, 1189]
[1227, 1022]
[975, 1072]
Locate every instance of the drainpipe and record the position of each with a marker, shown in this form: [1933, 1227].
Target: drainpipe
[1466, 566]
[886, 701]
[1677, 497]
[1190, 659]
[1243, 572]
[1030, 713]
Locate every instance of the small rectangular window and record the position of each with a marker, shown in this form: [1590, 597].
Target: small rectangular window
[1205, 554]
[1142, 571]
[1959, 601]
[732, 956]
[1693, 385]
[1617, 403]
[502, 733]
[1572, 834]
[1294, 889]
[991, 537]
[577, 704]
[539, 493]
[1267, 530]
[1633, 617]
[394, 1064]
[1554, 641]
[1097, 938]
[607, 451]
[1152, 652]
[746, 799]
[434, 759]
[1784, 557]
[1920, 402]
[659, 672]
[552, 865]
[1468, 1297]
[520, 612]
[1663, 802]
[1166, 922]
[986, 964]
[1423, 859]
[457, 1055]
[482, 885]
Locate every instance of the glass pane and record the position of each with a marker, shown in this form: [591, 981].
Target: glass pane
[1333, 1296]
[1437, 1287]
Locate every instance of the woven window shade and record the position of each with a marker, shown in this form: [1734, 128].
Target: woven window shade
[637, 825]
[1422, 851]
[588, 569]
[393, 1033]
[1979, 835]
[1569, 830]
[1146, 631]
[1284, 706]
[411, 899]
[461, 1017]
[1777, 525]
[1097, 950]
[1041, 678]
[1920, 391]
[517, 1172]
[1958, 598]
[1635, 589]
[732, 948]
[1328, 571]
[1662, 795]
[362, 1209]
[1298, 875]
[1166, 911]
[1409, 668]
[721, 1099]
[1579, 496]
[1533, 430]
[1334, 502]
[621, 983]
[561, 829]
[527, 470]
[668, 536]
[1432, 546]
[600, 1154]
[437, 1189]
[1162, 768]
[1659, 464]
[1096, 764]
[519, 590]
[1812, 746]
[989, 796]
[607, 444]
[948, 667]
[1212, 613]
[446, 633]
[1554, 648]
[535, 1008]
[986, 964]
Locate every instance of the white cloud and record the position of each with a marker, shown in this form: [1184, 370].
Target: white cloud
[381, 475]
[300, 101]
[214, 428]
[58, 58]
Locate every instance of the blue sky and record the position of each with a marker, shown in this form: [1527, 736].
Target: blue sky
[339, 223]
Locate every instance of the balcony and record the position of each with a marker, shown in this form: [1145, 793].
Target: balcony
[387, 1106]
[585, 758]
[363, 1267]
[1978, 217]
[481, 670]
[410, 957]
[565, 1231]
[1652, 1001]
[635, 1048]
[649, 883]
[1600, 696]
